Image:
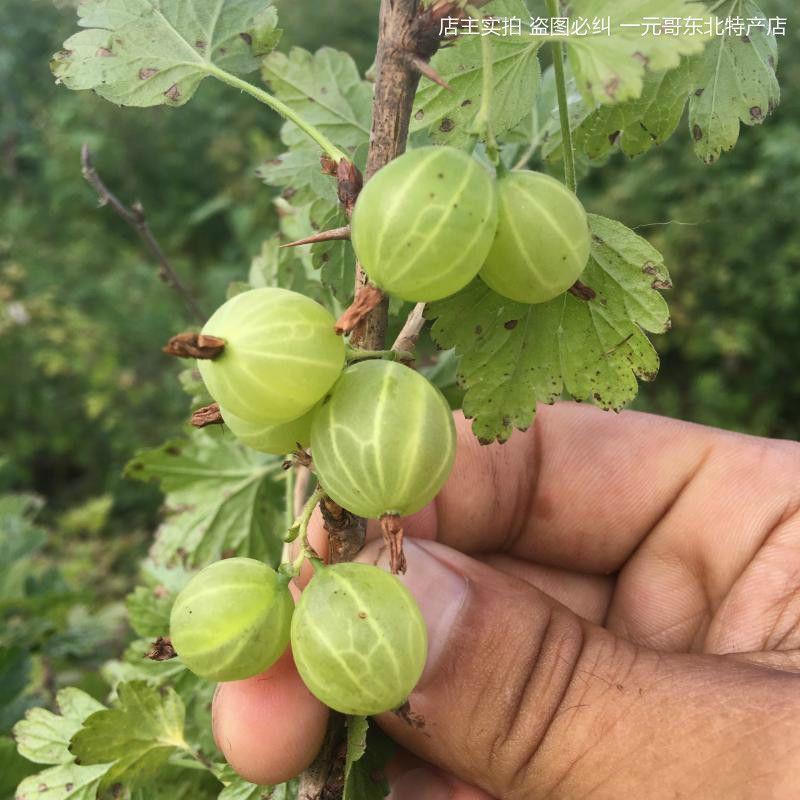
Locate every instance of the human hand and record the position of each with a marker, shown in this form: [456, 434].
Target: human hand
[613, 605]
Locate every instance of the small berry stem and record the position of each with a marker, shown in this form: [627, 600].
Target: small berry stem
[300, 530]
[355, 354]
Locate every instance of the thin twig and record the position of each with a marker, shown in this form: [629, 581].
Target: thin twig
[408, 337]
[135, 217]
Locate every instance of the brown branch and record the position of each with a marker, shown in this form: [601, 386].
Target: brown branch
[395, 86]
[135, 217]
[324, 779]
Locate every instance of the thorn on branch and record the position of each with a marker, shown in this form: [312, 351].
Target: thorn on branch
[195, 345]
[424, 68]
[392, 532]
[207, 415]
[583, 292]
[333, 235]
[161, 650]
[367, 299]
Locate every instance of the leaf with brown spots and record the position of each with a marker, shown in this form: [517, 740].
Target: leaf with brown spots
[43, 737]
[634, 126]
[733, 82]
[611, 69]
[449, 113]
[513, 356]
[147, 53]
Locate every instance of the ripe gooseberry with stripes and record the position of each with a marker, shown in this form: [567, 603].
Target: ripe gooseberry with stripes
[543, 241]
[422, 226]
[281, 355]
[383, 441]
[232, 620]
[358, 639]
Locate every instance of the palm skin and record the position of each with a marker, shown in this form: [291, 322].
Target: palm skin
[613, 604]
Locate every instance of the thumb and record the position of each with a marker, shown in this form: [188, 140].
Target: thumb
[524, 699]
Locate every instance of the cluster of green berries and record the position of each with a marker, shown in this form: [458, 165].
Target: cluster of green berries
[382, 437]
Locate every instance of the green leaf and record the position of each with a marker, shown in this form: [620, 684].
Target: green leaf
[148, 611]
[733, 81]
[64, 782]
[611, 69]
[635, 125]
[514, 356]
[450, 114]
[43, 737]
[149, 52]
[137, 737]
[368, 751]
[326, 90]
[221, 498]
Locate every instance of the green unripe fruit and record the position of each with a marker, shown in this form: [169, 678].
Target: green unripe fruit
[358, 639]
[232, 620]
[422, 226]
[275, 439]
[542, 243]
[383, 441]
[281, 355]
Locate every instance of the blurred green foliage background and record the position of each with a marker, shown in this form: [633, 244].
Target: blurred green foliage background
[83, 315]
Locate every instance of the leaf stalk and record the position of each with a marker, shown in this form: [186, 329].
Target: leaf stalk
[284, 110]
[567, 143]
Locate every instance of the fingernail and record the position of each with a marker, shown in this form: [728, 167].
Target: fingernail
[421, 784]
[439, 590]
